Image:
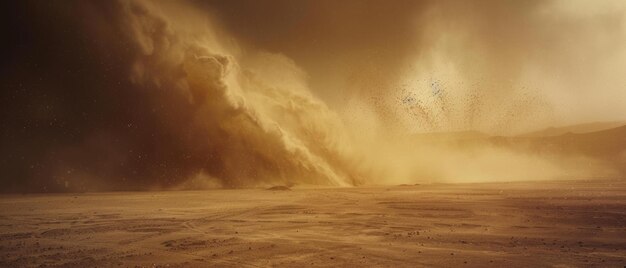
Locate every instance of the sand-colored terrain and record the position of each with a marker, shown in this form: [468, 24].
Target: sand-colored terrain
[539, 224]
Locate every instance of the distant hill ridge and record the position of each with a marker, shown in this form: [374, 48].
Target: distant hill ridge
[575, 129]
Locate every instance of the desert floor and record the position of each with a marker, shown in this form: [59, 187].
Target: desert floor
[538, 224]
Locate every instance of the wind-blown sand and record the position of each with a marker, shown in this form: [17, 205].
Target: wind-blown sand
[557, 224]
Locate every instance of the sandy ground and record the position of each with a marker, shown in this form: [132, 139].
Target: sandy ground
[547, 224]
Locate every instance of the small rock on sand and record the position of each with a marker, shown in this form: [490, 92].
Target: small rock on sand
[279, 188]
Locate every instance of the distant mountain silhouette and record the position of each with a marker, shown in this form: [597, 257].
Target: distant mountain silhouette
[578, 128]
[607, 144]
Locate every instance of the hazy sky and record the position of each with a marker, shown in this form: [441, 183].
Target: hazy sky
[136, 93]
[569, 55]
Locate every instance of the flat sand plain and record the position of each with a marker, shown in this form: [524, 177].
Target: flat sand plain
[538, 224]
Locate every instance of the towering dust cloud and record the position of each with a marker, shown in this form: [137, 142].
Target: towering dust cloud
[253, 112]
[190, 95]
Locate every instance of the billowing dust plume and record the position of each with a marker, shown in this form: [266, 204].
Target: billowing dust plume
[251, 116]
[190, 95]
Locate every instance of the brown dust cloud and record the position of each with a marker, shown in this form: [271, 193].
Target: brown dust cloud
[157, 95]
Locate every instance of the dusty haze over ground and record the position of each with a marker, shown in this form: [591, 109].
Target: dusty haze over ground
[139, 95]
